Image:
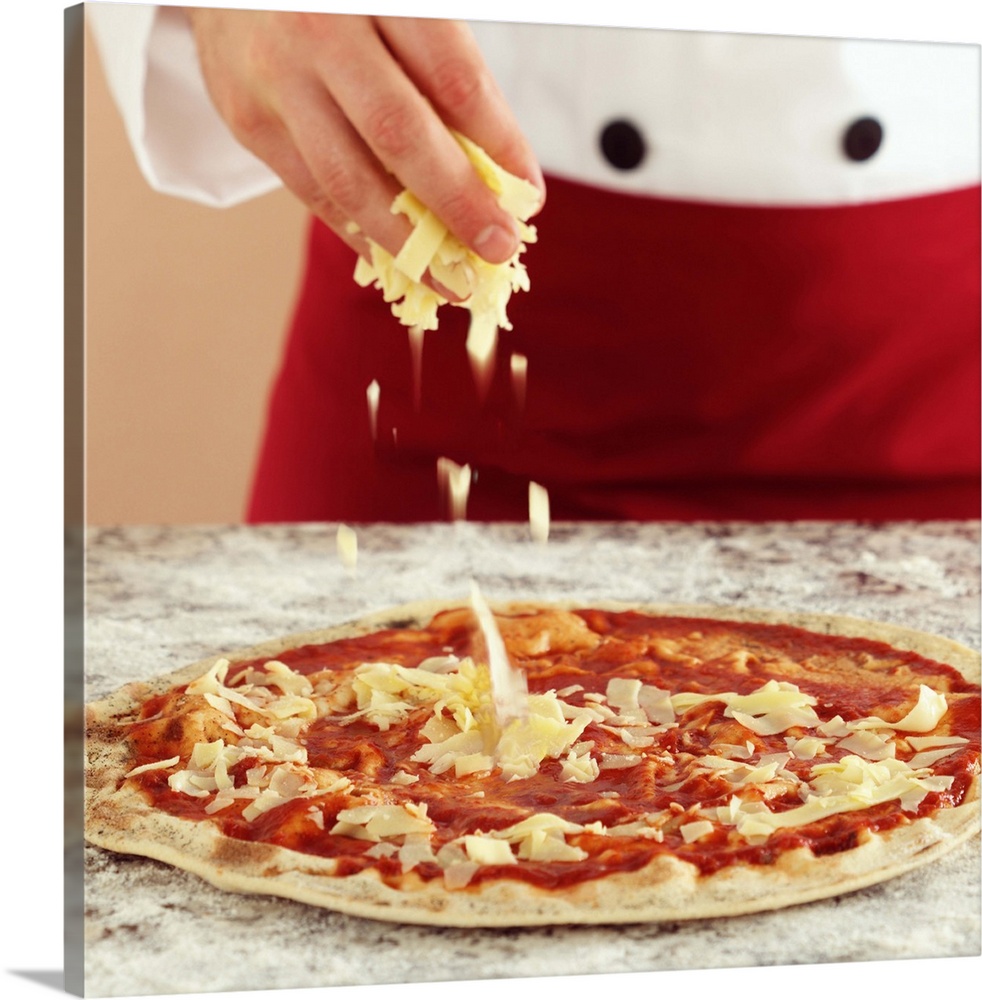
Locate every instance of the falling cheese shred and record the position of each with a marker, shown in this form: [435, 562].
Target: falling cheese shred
[372, 395]
[538, 513]
[455, 484]
[347, 544]
[519, 365]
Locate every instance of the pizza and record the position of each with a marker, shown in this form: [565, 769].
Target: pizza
[668, 762]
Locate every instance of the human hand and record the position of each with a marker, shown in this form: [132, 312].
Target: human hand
[349, 110]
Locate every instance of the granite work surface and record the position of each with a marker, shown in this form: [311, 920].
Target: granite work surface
[159, 598]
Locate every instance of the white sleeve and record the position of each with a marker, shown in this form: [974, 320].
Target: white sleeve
[181, 144]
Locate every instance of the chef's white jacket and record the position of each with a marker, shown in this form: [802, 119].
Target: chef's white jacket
[727, 118]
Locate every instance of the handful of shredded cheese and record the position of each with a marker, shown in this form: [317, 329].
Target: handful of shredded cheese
[484, 288]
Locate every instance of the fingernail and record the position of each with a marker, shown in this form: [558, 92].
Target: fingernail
[496, 244]
[447, 293]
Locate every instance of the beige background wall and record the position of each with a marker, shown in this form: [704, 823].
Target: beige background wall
[185, 312]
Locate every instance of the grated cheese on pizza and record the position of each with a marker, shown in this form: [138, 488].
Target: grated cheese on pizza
[719, 742]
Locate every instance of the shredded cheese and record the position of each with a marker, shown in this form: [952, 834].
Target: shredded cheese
[455, 485]
[538, 513]
[696, 830]
[922, 718]
[484, 288]
[347, 544]
[519, 365]
[378, 822]
[372, 395]
[159, 765]
[268, 712]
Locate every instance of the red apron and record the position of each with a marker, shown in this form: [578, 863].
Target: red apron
[685, 361]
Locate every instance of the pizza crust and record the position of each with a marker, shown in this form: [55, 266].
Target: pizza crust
[120, 819]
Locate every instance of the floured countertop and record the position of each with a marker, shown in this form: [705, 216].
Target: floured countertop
[159, 598]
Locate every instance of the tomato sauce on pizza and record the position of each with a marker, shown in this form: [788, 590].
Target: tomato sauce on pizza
[719, 742]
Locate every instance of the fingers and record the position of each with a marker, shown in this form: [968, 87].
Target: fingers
[443, 60]
[403, 130]
[335, 175]
[275, 146]
[264, 75]
[349, 110]
[341, 179]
